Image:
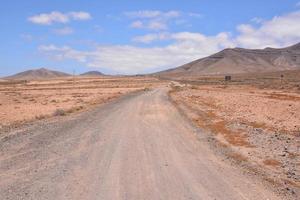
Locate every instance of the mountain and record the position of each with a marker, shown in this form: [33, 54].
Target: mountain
[239, 60]
[92, 73]
[41, 73]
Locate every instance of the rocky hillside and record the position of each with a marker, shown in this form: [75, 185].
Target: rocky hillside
[238, 60]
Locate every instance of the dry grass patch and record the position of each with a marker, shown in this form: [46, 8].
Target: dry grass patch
[284, 97]
[260, 125]
[293, 155]
[233, 138]
[40, 117]
[292, 183]
[272, 162]
[74, 109]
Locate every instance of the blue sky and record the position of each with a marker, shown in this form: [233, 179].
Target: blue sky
[136, 36]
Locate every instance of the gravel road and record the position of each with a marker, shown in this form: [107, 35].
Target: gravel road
[138, 147]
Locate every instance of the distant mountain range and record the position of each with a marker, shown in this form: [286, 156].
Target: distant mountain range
[37, 74]
[226, 62]
[238, 60]
[44, 73]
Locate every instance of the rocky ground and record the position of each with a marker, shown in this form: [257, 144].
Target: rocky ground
[257, 128]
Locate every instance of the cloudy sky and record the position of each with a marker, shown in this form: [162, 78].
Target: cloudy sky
[136, 36]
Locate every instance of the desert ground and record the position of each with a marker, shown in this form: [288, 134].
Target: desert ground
[255, 123]
[150, 138]
[25, 101]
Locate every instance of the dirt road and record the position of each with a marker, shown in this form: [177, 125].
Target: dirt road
[138, 147]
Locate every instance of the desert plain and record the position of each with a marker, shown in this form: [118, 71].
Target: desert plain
[251, 123]
[31, 100]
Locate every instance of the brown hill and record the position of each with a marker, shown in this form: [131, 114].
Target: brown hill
[41, 73]
[238, 60]
[92, 73]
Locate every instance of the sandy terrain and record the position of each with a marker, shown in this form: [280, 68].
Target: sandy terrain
[28, 101]
[139, 147]
[261, 127]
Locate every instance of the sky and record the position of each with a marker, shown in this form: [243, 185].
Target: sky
[136, 36]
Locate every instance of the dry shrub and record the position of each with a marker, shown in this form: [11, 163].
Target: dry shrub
[40, 117]
[201, 122]
[74, 109]
[146, 89]
[272, 162]
[194, 87]
[238, 157]
[210, 114]
[59, 112]
[204, 102]
[293, 155]
[176, 88]
[66, 100]
[272, 181]
[258, 125]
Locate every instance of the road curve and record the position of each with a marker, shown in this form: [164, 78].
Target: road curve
[139, 147]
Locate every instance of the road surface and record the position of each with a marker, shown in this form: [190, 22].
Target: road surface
[138, 147]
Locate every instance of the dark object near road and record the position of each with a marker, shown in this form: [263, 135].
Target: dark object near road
[227, 78]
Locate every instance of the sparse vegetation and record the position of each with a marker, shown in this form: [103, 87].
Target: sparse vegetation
[74, 109]
[40, 117]
[247, 124]
[272, 162]
[59, 112]
[146, 89]
[40, 98]
[238, 157]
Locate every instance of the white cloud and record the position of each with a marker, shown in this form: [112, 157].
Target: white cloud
[157, 25]
[64, 52]
[172, 14]
[137, 24]
[58, 17]
[151, 25]
[152, 14]
[64, 31]
[152, 19]
[80, 15]
[222, 40]
[121, 59]
[151, 37]
[128, 59]
[278, 32]
[196, 15]
[257, 20]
